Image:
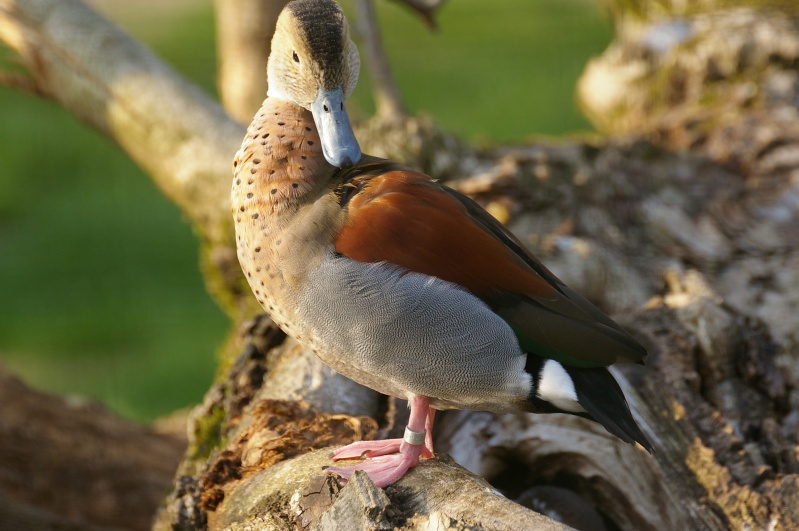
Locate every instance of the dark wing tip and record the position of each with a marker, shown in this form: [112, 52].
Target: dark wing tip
[600, 395]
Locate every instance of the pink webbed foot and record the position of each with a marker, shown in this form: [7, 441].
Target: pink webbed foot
[388, 460]
[385, 469]
[371, 449]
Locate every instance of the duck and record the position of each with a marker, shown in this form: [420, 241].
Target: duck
[397, 281]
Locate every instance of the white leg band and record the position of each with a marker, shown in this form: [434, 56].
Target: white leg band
[413, 437]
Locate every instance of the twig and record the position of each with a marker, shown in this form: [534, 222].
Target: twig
[388, 101]
[425, 9]
[22, 83]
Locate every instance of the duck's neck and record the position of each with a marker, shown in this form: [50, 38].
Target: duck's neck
[280, 163]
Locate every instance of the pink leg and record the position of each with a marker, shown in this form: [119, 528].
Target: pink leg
[428, 426]
[385, 469]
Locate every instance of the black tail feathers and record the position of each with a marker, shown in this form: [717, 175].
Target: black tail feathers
[600, 395]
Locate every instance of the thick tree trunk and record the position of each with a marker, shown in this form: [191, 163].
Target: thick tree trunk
[688, 235]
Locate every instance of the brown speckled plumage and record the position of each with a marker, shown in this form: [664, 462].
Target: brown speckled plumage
[277, 162]
[275, 180]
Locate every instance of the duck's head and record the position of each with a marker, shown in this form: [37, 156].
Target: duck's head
[314, 64]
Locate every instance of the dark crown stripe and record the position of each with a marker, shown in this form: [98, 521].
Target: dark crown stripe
[321, 21]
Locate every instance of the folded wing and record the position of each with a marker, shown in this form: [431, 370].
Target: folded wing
[402, 217]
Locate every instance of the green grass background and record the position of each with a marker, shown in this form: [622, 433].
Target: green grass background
[100, 293]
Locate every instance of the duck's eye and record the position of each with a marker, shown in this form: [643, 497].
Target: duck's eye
[295, 57]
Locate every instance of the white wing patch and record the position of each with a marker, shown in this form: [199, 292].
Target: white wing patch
[556, 387]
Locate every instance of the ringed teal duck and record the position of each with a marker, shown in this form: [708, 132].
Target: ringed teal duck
[396, 281]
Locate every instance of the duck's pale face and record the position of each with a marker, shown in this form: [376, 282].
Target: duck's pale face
[315, 65]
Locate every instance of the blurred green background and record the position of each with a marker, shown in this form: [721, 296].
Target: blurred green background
[100, 293]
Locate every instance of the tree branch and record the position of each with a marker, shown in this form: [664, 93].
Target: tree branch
[243, 40]
[388, 101]
[21, 83]
[426, 10]
[170, 128]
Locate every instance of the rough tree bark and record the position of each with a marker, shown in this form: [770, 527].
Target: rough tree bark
[685, 228]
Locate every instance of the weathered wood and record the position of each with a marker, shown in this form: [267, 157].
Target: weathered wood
[438, 496]
[70, 464]
[251, 477]
[703, 475]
